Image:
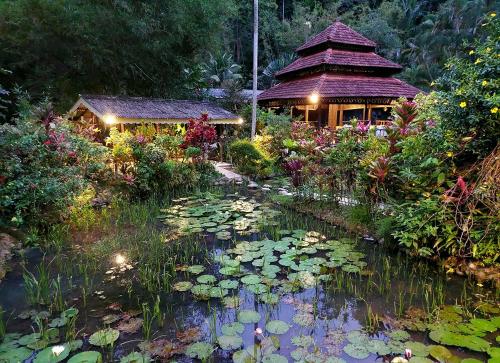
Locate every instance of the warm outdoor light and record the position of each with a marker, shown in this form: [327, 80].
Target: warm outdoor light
[109, 119]
[240, 120]
[120, 259]
[314, 98]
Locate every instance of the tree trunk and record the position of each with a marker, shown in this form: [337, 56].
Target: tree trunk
[255, 50]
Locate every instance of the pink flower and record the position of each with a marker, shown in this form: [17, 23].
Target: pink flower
[140, 139]
[430, 123]
[408, 353]
[72, 154]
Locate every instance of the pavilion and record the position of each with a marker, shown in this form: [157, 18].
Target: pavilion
[338, 77]
[128, 112]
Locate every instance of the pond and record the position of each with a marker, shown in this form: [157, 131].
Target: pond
[228, 276]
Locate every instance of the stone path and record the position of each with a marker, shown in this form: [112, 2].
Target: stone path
[226, 170]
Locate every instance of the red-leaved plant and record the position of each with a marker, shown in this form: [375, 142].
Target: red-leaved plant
[200, 134]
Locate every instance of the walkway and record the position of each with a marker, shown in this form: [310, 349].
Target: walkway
[226, 170]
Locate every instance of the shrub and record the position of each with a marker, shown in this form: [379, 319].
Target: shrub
[248, 159]
[200, 134]
[44, 167]
[468, 93]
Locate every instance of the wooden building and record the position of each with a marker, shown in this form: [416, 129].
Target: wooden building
[127, 112]
[338, 77]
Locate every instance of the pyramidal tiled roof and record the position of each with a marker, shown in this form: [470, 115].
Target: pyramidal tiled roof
[331, 86]
[340, 58]
[337, 33]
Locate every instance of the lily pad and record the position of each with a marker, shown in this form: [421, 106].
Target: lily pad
[248, 316]
[199, 350]
[183, 286]
[196, 269]
[356, 351]
[250, 279]
[440, 353]
[466, 341]
[15, 355]
[206, 279]
[399, 334]
[135, 357]
[303, 341]
[303, 319]
[235, 328]
[29, 339]
[54, 354]
[229, 342]
[277, 327]
[228, 284]
[418, 349]
[274, 358]
[104, 337]
[86, 357]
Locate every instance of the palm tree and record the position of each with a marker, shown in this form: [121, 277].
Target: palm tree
[254, 75]
[220, 69]
[267, 78]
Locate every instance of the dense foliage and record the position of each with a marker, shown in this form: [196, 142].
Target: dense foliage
[175, 48]
[431, 183]
[45, 167]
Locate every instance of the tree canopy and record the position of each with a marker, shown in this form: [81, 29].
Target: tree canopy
[151, 48]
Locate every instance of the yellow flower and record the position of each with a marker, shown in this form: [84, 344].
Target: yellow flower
[484, 83]
[494, 110]
[488, 49]
[493, 15]
[471, 52]
[477, 61]
[463, 104]
[433, 83]
[449, 154]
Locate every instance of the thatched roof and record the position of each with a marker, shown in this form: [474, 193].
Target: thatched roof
[154, 110]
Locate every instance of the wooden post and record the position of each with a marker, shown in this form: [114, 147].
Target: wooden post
[341, 117]
[307, 113]
[332, 115]
[370, 112]
[122, 127]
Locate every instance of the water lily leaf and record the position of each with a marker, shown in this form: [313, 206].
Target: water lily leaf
[302, 341]
[183, 286]
[54, 354]
[58, 322]
[69, 313]
[15, 355]
[483, 324]
[206, 279]
[189, 335]
[357, 337]
[229, 271]
[269, 298]
[470, 360]
[440, 353]
[135, 357]
[228, 284]
[378, 346]
[104, 337]
[110, 318]
[418, 349]
[274, 358]
[356, 351]
[466, 341]
[201, 291]
[248, 316]
[277, 327]
[400, 335]
[218, 292]
[234, 328]
[248, 355]
[303, 319]
[87, 357]
[199, 350]
[75, 344]
[250, 279]
[229, 342]
[257, 288]
[130, 326]
[196, 269]
[231, 302]
[29, 339]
